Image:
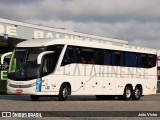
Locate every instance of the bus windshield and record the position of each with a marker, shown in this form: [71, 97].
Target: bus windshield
[25, 60]
[23, 64]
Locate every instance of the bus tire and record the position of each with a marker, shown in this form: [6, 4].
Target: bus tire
[137, 93]
[127, 93]
[63, 92]
[34, 97]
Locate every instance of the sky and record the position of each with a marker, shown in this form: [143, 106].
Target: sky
[137, 21]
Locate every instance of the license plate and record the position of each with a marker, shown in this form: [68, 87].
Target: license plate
[19, 91]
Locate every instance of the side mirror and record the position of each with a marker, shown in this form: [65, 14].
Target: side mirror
[39, 58]
[4, 55]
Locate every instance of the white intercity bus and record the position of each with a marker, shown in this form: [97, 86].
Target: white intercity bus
[62, 67]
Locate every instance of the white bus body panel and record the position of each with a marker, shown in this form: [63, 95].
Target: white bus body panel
[96, 84]
[91, 79]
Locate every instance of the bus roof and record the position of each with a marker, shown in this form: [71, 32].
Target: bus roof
[40, 42]
[85, 43]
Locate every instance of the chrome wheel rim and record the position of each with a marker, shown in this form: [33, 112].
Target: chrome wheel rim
[137, 93]
[128, 93]
[65, 93]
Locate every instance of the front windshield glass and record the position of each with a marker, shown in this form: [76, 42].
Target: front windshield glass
[25, 63]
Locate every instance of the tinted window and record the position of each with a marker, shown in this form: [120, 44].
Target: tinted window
[133, 59]
[117, 58]
[84, 55]
[49, 64]
[69, 56]
[151, 61]
[107, 58]
[100, 58]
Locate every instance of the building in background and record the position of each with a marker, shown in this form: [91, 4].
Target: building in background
[13, 32]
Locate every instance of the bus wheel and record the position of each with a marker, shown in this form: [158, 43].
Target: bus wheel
[34, 97]
[127, 93]
[63, 92]
[137, 93]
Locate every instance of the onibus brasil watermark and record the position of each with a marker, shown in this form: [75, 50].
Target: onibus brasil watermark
[22, 114]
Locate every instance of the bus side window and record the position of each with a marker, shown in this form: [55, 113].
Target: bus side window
[151, 61]
[100, 58]
[48, 64]
[78, 55]
[107, 58]
[127, 59]
[143, 61]
[75, 58]
[70, 56]
[133, 60]
[121, 58]
[116, 58]
[87, 56]
[83, 58]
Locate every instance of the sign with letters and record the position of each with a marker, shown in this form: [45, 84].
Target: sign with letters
[23, 32]
[26, 31]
